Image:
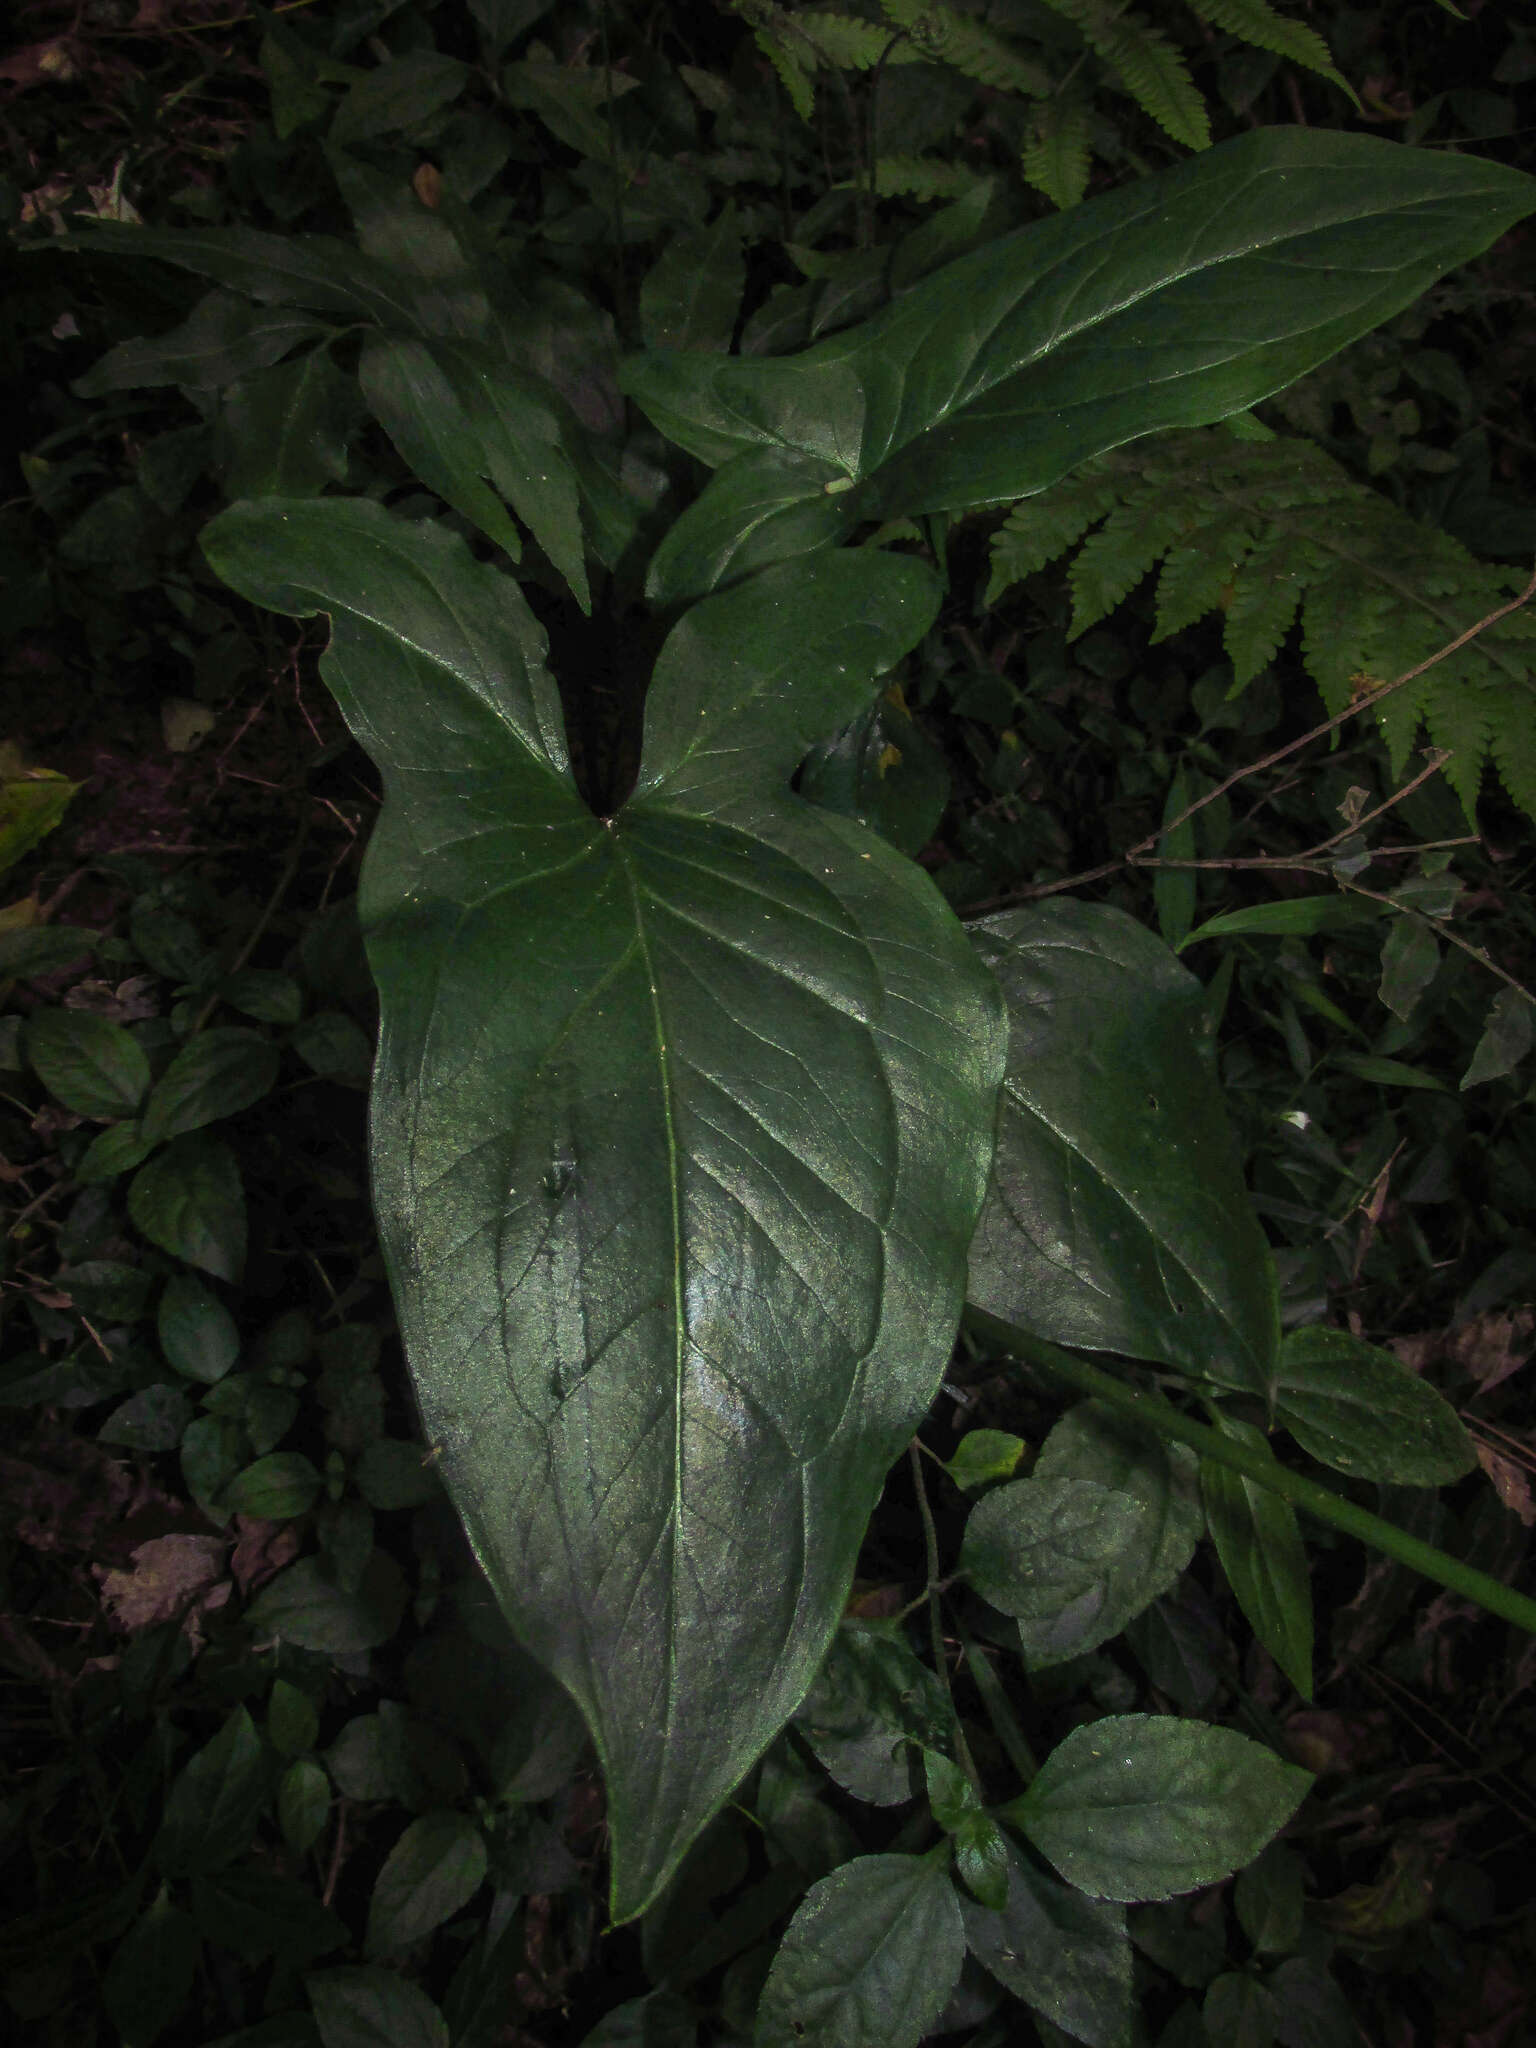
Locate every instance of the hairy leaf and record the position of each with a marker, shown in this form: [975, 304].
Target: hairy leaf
[1141, 1806]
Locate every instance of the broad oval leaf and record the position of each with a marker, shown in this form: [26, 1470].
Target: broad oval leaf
[363, 2006]
[1173, 301]
[1093, 1443]
[90, 1063]
[1356, 1408]
[1066, 1955]
[216, 1074]
[1117, 1219]
[436, 1867]
[680, 1126]
[1046, 1551]
[869, 1960]
[1141, 1806]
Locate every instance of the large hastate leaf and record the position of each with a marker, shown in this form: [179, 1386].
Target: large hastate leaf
[1170, 302]
[681, 1124]
[1117, 1218]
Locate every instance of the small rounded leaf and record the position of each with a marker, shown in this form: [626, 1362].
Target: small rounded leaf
[436, 1867]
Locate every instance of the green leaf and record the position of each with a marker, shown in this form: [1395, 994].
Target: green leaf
[316, 271]
[1173, 889]
[883, 769]
[392, 1473]
[466, 420]
[212, 1451]
[690, 297]
[1140, 1806]
[1171, 301]
[1049, 1552]
[153, 1419]
[399, 94]
[275, 1488]
[92, 1065]
[662, 2019]
[220, 340]
[262, 993]
[111, 1153]
[217, 1074]
[303, 1801]
[1356, 1408]
[1270, 1900]
[1091, 1444]
[305, 1608]
[284, 432]
[197, 1332]
[293, 1721]
[29, 950]
[1065, 1955]
[214, 1803]
[189, 1201]
[435, 1868]
[255, 1915]
[106, 1290]
[365, 2007]
[869, 1960]
[1239, 2010]
[334, 1047]
[983, 1456]
[646, 1112]
[150, 1975]
[1506, 1038]
[1117, 1219]
[1262, 1553]
[1410, 959]
[873, 1706]
[1299, 917]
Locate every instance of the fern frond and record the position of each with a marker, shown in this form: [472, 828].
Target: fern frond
[789, 61]
[1055, 157]
[1256, 22]
[1111, 562]
[847, 43]
[1253, 529]
[1150, 66]
[1039, 529]
[942, 35]
[922, 177]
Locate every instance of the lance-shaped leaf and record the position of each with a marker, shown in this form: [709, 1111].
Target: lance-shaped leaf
[459, 418]
[1117, 1218]
[1171, 302]
[681, 1122]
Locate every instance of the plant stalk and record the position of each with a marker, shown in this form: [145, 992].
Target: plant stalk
[1154, 1412]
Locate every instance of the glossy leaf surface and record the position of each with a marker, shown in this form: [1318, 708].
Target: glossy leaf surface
[1173, 301]
[1117, 1219]
[681, 1122]
[1045, 1551]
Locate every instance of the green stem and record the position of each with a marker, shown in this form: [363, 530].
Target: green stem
[1156, 1413]
[963, 1755]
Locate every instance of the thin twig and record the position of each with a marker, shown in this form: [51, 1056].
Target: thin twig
[963, 1755]
[1366, 702]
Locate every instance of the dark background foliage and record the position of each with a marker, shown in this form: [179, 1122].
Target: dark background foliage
[210, 1440]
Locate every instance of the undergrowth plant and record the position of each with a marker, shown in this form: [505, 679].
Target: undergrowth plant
[701, 1126]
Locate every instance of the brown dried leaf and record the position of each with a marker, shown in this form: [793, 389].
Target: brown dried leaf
[1491, 1347]
[1511, 1482]
[171, 1578]
[261, 1551]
